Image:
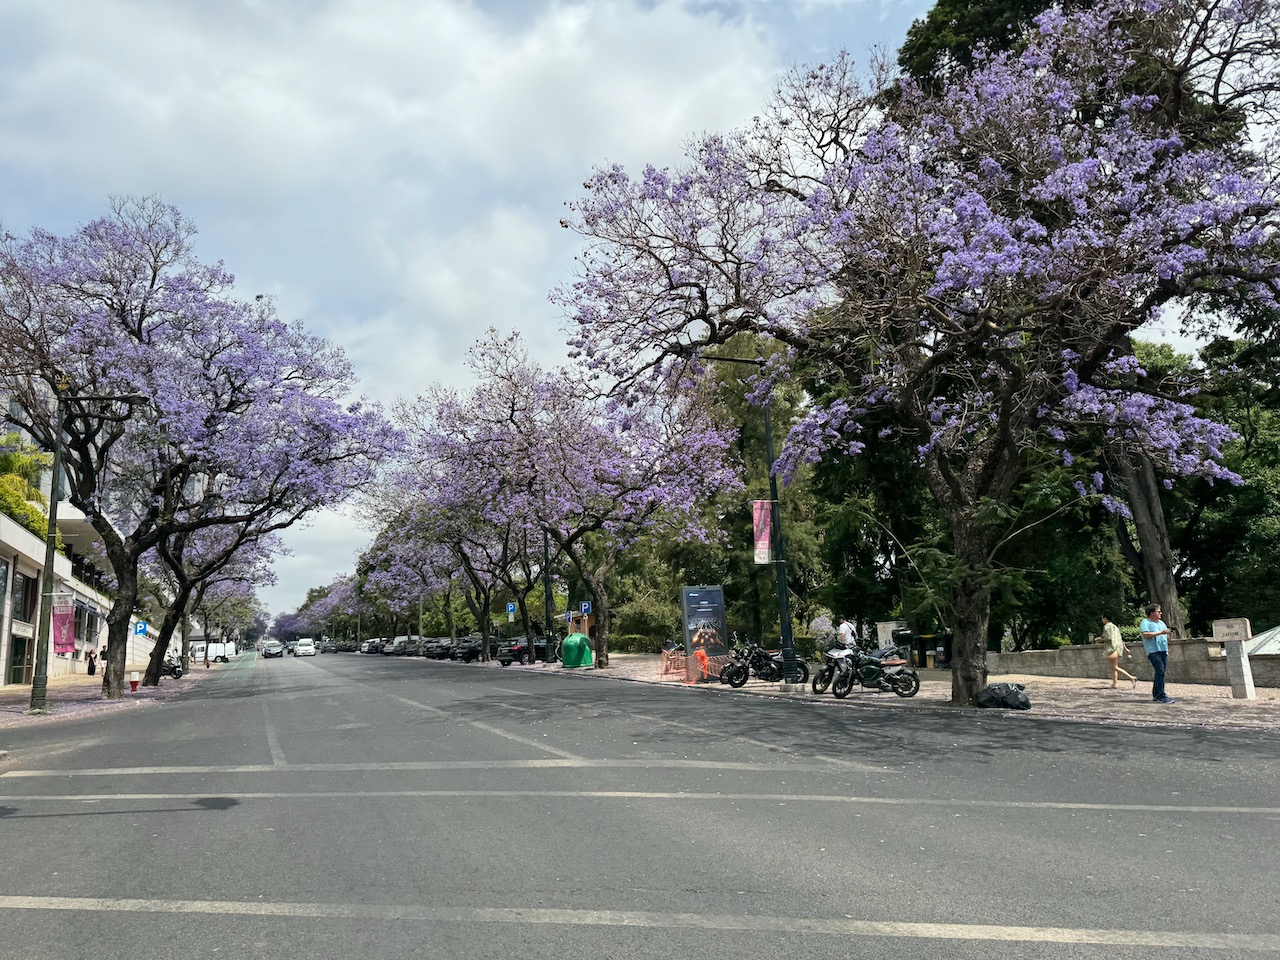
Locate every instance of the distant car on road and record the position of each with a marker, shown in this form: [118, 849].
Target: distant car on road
[305, 648]
[273, 648]
[328, 646]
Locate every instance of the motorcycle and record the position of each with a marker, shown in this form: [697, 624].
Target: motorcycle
[886, 669]
[754, 660]
[172, 667]
[838, 663]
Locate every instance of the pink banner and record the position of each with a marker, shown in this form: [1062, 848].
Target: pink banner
[62, 625]
[763, 530]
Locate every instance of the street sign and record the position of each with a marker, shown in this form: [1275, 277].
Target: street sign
[585, 607]
[568, 617]
[140, 628]
[511, 607]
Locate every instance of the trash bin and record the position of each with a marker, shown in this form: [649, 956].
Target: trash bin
[575, 651]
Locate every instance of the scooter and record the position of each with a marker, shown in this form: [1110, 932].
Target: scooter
[886, 669]
[171, 668]
[838, 664]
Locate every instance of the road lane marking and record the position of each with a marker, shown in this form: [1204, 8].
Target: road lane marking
[837, 926]
[542, 762]
[273, 741]
[563, 754]
[648, 795]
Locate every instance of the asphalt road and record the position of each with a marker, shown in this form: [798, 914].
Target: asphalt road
[351, 806]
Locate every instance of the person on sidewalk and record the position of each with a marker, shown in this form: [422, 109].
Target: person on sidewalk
[845, 632]
[1155, 641]
[93, 663]
[1115, 646]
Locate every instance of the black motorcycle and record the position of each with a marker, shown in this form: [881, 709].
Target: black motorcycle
[886, 669]
[172, 667]
[754, 660]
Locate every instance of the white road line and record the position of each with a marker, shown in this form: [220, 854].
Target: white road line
[563, 754]
[954, 804]
[273, 741]
[840, 927]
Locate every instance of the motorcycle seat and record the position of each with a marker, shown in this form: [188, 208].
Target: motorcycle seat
[897, 662]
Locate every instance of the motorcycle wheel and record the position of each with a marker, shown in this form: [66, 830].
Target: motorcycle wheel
[525, 659]
[738, 677]
[907, 685]
[822, 679]
[176, 673]
[802, 672]
[842, 685]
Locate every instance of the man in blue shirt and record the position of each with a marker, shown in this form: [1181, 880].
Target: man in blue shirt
[1155, 641]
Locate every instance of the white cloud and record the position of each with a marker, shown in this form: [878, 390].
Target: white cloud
[392, 171]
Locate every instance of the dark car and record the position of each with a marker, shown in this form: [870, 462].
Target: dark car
[468, 648]
[516, 650]
[328, 646]
[437, 648]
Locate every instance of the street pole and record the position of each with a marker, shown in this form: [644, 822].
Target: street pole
[40, 678]
[546, 583]
[789, 670]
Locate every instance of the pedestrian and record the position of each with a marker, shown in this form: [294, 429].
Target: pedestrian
[93, 663]
[1155, 641]
[1115, 645]
[845, 631]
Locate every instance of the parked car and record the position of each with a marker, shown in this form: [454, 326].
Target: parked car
[273, 648]
[437, 648]
[395, 647]
[516, 650]
[290, 646]
[306, 647]
[468, 648]
[372, 645]
[328, 646]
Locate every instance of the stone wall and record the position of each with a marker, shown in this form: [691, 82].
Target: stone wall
[1190, 661]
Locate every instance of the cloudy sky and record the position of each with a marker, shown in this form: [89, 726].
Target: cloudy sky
[392, 171]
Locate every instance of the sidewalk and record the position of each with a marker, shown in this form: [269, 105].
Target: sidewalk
[1069, 698]
[77, 695]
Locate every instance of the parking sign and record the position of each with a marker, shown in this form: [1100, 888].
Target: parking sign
[585, 607]
[140, 628]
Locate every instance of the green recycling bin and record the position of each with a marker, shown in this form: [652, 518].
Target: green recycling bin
[575, 651]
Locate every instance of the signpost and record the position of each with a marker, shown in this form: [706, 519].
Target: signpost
[1232, 634]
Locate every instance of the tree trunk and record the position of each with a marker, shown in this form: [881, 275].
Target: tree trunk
[1143, 492]
[971, 601]
[118, 642]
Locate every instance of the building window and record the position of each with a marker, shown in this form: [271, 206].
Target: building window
[26, 597]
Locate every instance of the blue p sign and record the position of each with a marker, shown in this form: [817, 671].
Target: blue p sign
[140, 628]
[585, 607]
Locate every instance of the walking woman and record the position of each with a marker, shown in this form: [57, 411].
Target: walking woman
[1115, 646]
[93, 663]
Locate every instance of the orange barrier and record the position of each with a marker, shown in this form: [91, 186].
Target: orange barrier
[698, 668]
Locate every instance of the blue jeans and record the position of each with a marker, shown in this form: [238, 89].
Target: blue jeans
[1159, 663]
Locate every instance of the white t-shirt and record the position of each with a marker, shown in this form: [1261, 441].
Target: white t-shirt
[846, 632]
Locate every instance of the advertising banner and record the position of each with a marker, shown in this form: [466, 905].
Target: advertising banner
[704, 625]
[62, 625]
[763, 526]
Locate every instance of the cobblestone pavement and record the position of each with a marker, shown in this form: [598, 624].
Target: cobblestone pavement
[1071, 698]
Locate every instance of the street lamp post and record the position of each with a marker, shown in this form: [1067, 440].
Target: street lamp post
[789, 669]
[40, 678]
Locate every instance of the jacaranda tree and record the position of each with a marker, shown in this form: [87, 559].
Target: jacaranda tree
[182, 407]
[972, 259]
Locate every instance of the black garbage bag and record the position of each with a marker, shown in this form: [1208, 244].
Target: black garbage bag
[1008, 696]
